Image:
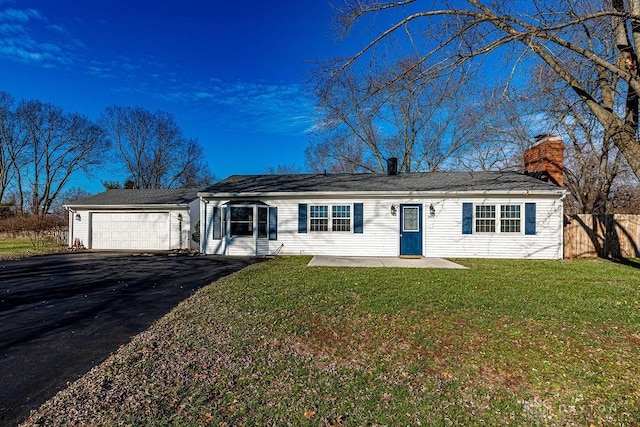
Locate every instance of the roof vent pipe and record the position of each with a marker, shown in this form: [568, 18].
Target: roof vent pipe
[392, 166]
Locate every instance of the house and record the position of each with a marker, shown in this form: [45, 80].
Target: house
[135, 220]
[438, 214]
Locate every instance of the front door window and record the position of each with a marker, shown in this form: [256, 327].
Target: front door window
[410, 220]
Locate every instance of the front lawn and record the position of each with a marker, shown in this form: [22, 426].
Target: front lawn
[21, 247]
[506, 342]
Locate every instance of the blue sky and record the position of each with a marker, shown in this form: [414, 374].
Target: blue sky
[233, 73]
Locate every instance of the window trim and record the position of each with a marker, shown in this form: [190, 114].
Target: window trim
[271, 229]
[487, 221]
[252, 222]
[348, 222]
[404, 218]
[265, 210]
[498, 218]
[314, 210]
[508, 221]
[330, 218]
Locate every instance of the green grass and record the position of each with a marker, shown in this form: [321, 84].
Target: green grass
[507, 342]
[17, 247]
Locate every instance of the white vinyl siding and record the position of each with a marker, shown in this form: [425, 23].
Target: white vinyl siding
[381, 237]
[444, 239]
[79, 227]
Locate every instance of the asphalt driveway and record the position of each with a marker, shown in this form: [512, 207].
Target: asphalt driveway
[60, 315]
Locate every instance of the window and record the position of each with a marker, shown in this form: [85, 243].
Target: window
[516, 218]
[241, 221]
[341, 218]
[319, 218]
[485, 218]
[263, 215]
[410, 215]
[510, 218]
[316, 218]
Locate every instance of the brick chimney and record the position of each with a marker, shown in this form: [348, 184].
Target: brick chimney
[545, 158]
[392, 166]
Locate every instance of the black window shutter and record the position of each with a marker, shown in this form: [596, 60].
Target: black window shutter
[302, 218]
[467, 218]
[273, 223]
[217, 223]
[530, 218]
[358, 218]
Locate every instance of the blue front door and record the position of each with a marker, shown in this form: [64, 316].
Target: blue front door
[410, 229]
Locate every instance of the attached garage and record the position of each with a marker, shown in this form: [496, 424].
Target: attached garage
[130, 230]
[134, 220]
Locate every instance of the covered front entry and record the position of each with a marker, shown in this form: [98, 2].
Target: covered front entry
[130, 230]
[410, 230]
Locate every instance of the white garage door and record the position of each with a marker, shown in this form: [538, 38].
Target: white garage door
[126, 230]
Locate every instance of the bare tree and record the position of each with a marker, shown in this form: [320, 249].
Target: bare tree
[500, 122]
[594, 169]
[283, 169]
[396, 111]
[350, 113]
[567, 35]
[342, 152]
[626, 199]
[593, 165]
[509, 117]
[57, 146]
[12, 146]
[7, 137]
[153, 150]
[196, 173]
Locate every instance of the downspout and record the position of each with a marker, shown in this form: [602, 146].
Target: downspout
[204, 232]
[70, 234]
[180, 230]
[564, 195]
[227, 228]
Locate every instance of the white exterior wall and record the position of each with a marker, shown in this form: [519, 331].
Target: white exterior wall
[442, 233]
[379, 238]
[79, 229]
[194, 217]
[179, 231]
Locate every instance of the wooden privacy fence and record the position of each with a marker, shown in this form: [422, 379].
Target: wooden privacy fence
[607, 236]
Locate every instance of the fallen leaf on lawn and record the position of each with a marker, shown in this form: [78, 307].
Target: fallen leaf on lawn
[447, 375]
[309, 414]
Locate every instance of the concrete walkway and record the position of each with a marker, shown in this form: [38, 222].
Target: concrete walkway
[341, 261]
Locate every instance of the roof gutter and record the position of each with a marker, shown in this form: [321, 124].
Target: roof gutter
[551, 192]
[140, 206]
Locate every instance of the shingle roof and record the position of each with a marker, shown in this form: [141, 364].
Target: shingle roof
[376, 182]
[139, 197]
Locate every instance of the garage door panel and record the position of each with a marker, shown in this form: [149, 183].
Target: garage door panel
[148, 230]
